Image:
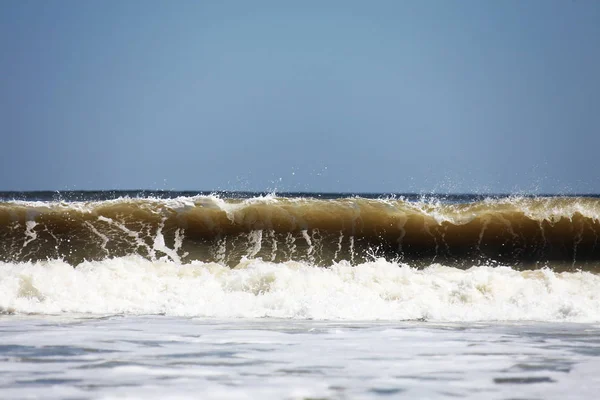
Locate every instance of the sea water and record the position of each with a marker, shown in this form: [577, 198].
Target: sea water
[171, 295]
[159, 357]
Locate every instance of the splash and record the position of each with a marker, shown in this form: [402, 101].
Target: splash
[377, 290]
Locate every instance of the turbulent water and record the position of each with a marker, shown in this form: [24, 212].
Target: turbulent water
[125, 294]
[311, 256]
[520, 232]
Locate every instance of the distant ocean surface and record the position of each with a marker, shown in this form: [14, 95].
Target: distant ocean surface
[144, 294]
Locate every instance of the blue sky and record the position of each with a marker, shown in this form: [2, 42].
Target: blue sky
[384, 96]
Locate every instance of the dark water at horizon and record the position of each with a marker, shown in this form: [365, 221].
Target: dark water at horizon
[100, 195]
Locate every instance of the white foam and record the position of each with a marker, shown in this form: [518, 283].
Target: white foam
[374, 290]
[30, 232]
[160, 245]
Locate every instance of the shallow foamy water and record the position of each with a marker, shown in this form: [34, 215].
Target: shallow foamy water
[77, 357]
[136, 328]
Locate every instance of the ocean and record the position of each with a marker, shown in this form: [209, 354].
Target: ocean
[165, 294]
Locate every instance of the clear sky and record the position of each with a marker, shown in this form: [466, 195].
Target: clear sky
[384, 96]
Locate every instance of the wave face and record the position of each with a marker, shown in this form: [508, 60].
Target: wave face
[526, 233]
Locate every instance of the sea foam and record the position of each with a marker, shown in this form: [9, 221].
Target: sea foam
[376, 290]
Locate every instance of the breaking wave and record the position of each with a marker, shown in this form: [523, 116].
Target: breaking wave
[525, 233]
